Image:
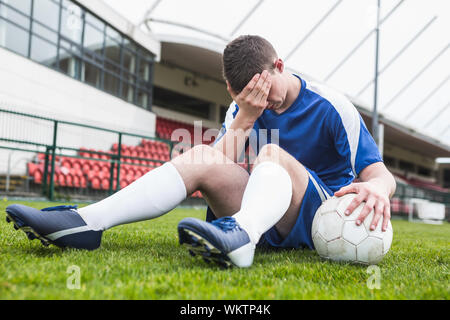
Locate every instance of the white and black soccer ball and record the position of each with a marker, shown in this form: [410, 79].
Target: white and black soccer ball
[337, 237]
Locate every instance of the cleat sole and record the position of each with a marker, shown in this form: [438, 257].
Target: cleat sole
[198, 246]
[30, 232]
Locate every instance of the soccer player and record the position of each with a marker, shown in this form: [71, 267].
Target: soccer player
[311, 144]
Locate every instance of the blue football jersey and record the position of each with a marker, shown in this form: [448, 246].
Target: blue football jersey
[322, 130]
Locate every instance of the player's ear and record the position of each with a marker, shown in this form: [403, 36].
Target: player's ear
[279, 65]
[230, 90]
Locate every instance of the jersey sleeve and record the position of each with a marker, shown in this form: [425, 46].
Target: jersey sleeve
[351, 138]
[229, 118]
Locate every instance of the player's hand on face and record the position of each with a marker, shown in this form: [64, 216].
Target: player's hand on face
[252, 100]
[374, 198]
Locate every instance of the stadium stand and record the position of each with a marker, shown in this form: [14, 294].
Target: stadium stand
[94, 172]
[165, 128]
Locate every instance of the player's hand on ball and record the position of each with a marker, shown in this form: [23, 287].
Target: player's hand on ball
[375, 199]
[252, 100]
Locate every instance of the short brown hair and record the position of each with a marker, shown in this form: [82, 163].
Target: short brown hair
[244, 57]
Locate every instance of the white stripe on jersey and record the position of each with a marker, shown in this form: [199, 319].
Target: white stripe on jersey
[229, 118]
[348, 113]
[319, 190]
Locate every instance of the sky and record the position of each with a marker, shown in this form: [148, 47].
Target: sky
[414, 52]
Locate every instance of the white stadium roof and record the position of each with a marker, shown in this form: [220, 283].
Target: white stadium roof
[332, 41]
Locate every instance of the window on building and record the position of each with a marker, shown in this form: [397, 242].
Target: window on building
[446, 178]
[113, 50]
[46, 12]
[223, 113]
[24, 6]
[389, 161]
[64, 36]
[407, 166]
[15, 16]
[14, 37]
[94, 35]
[45, 33]
[175, 101]
[424, 171]
[43, 51]
[91, 74]
[72, 21]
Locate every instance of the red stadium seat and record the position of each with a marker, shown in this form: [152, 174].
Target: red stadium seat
[105, 184]
[69, 180]
[38, 177]
[31, 168]
[83, 182]
[61, 179]
[86, 167]
[96, 167]
[96, 183]
[40, 157]
[76, 164]
[77, 181]
[66, 162]
[123, 183]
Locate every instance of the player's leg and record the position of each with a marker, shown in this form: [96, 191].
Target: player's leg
[221, 181]
[264, 218]
[273, 196]
[154, 194]
[161, 190]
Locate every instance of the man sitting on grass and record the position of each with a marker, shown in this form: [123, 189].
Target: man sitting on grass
[321, 146]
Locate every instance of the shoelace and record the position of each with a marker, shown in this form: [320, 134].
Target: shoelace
[60, 208]
[226, 224]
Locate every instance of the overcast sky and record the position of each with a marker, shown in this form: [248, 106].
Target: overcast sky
[286, 23]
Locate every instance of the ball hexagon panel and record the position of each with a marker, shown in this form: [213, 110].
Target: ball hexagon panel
[330, 226]
[353, 233]
[320, 245]
[370, 251]
[329, 205]
[341, 250]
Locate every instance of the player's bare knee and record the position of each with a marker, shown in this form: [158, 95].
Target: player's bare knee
[269, 152]
[201, 155]
[207, 155]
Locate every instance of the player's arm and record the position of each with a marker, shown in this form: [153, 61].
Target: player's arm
[376, 188]
[252, 102]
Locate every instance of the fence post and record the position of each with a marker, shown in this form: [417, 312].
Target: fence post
[119, 156]
[171, 145]
[44, 183]
[111, 175]
[52, 174]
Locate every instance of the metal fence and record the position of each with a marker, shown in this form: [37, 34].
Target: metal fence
[57, 138]
[407, 192]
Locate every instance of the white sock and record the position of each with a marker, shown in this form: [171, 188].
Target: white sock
[154, 194]
[266, 199]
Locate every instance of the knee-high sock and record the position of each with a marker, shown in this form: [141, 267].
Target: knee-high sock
[149, 197]
[266, 199]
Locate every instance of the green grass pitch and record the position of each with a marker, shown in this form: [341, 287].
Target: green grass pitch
[145, 261]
